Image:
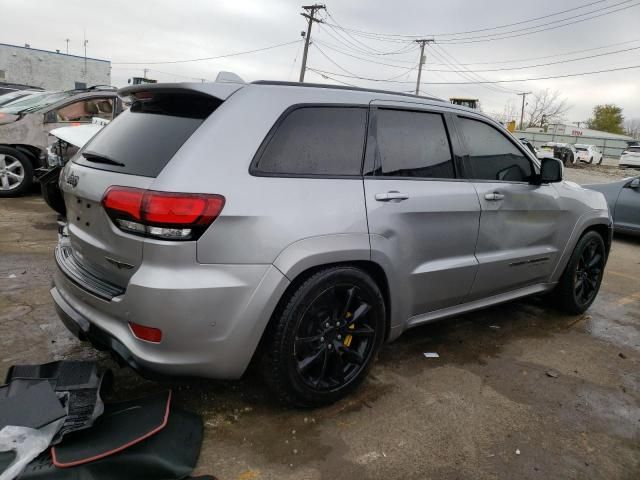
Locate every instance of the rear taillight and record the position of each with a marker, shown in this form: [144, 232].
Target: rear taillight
[162, 215]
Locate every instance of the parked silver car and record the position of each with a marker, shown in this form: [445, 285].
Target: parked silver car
[303, 225]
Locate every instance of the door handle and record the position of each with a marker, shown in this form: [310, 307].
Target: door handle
[389, 196]
[493, 197]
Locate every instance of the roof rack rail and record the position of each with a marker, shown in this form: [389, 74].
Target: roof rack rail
[100, 87]
[342, 87]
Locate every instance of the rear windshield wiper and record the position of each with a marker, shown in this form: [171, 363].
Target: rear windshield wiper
[97, 158]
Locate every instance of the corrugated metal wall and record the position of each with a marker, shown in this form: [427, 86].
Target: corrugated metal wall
[610, 147]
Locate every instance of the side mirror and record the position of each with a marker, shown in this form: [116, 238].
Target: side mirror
[551, 170]
[50, 117]
[635, 183]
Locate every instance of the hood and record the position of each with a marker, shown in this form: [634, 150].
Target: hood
[77, 136]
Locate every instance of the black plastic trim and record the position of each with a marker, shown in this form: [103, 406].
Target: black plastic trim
[83, 277]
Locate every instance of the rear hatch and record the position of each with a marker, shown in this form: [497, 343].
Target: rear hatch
[130, 152]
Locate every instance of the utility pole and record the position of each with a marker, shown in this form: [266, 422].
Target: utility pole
[310, 16]
[85, 54]
[422, 43]
[523, 95]
[145, 73]
[67, 40]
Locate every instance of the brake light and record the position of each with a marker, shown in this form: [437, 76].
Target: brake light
[163, 215]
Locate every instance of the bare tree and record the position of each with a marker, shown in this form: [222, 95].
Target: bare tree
[632, 127]
[545, 106]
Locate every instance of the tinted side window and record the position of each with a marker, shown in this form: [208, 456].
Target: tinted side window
[317, 141]
[491, 155]
[413, 144]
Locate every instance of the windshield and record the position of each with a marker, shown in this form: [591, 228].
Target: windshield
[14, 96]
[34, 102]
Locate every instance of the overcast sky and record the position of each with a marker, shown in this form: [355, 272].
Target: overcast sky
[163, 30]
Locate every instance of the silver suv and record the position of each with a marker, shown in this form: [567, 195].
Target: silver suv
[301, 226]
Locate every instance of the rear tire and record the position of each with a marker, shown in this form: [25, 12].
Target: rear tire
[53, 197]
[16, 172]
[600, 161]
[323, 337]
[580, 282]
[590, 160]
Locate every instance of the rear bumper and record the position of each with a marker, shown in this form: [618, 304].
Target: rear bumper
[630, 161]
[212, 320]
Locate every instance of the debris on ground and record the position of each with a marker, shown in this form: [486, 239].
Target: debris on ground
[622, 355]
[145, 438]
[431, 355]
[552, 374]
[495, 327]
[517, 451]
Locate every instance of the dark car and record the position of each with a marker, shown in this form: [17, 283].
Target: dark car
[623, 198]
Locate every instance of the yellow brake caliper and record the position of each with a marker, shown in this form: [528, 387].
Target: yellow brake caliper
[348, 338]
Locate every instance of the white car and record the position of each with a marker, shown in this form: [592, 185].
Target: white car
[588, 153]
[630, 157]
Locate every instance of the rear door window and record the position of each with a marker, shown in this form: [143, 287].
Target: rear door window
[142, 139]
[491, 155]
[316, 141]
[413, 144]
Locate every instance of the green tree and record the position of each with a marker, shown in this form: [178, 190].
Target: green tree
[607, 118]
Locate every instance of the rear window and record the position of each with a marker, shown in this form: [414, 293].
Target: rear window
[316, 141]
[142, 140]
[633, 149]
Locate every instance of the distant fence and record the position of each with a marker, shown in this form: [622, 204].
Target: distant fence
[608, 146]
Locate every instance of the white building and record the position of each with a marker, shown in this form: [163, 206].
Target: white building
[51, 70]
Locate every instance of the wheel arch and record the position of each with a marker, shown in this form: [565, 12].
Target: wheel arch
[31, 152]
[374, 270]
[600, 224]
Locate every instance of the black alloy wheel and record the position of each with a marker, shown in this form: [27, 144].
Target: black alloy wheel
[588, 273]
[580, 282]
[324, 336]
[334, 338]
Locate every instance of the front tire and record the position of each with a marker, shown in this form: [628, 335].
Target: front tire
[580, 282]
[16, 172]
[324, 337]
[590, 160]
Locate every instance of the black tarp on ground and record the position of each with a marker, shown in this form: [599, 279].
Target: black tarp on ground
[169, 454]
[77, 385]
[29, 404]
[121, 426]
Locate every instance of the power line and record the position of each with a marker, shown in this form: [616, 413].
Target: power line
[234, 54]
[545, 64]
[495, 81]
[548, 56]
[465, 75]
[374, 50]
[398, 36]
[479, 39]
[332, 47]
